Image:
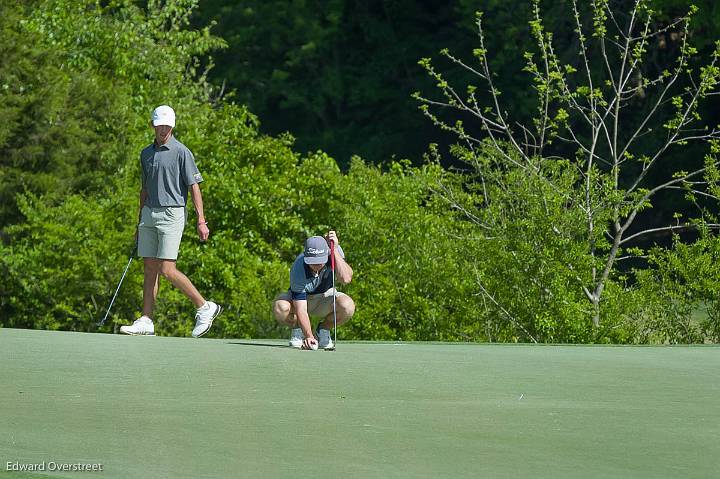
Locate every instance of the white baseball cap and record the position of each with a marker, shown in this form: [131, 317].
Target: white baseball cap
[163, 115]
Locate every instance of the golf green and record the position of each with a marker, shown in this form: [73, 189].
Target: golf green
[154, 407]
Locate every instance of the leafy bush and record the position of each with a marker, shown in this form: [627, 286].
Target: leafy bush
[681, 283]
[411, 281]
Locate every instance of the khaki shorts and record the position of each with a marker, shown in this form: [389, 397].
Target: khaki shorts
[160, 232]
[318, 305]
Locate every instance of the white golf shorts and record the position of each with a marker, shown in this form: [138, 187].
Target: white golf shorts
[318, 305]
[160, 232]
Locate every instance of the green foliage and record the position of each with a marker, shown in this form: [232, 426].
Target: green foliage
[683, 281]
[262, 201]
[51, 117]
[558, 228]
[336, 74]
[411, 279]
[58, 269]
[530, 260]
[345, 69]
[500, 252]
[77, 81]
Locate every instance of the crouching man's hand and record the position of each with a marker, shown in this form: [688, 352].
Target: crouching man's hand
[310, 343]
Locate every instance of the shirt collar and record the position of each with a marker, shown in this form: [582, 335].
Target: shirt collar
[171, 142]
[309, 273]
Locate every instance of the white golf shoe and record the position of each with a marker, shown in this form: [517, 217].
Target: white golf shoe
[143, 326]
[204, 318]
[296, 338]
[324, 339]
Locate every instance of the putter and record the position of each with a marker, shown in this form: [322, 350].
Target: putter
[332, 268]
[132, 255]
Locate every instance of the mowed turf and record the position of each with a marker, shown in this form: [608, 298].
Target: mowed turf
[158, 407]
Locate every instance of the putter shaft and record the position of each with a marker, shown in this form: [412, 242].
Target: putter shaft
[107, 312]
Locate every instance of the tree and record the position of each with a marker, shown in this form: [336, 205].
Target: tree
[587, 124]
[336, 74]
[77, 79]
[61, 258]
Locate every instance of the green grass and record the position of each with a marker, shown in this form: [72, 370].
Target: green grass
[176, 407]
[20, 475]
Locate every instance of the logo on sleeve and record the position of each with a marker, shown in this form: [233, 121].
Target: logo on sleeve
[197, 176]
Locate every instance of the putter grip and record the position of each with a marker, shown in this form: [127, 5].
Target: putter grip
[332, 255]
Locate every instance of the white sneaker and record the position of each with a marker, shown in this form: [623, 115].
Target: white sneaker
[142, 326]
[324, 339]
[204, 318]
[296, 338]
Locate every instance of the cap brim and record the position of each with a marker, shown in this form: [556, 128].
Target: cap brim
[161, 122]
[316, 259]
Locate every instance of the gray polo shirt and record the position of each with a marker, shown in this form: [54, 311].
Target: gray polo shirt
[167, 173]
[303, 280]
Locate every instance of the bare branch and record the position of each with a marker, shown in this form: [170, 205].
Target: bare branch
[695, 192]
[638, 205]
[686, 226]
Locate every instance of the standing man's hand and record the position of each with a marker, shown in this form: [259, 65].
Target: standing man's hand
[202, 227]
[203, 231]
[332, 236]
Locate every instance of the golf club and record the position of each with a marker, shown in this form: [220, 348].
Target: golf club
[132, 255]
[332, 268]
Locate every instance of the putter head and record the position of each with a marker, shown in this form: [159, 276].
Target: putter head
[101, 323]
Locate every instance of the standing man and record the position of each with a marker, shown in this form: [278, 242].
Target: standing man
[168, 172]
[311, 294]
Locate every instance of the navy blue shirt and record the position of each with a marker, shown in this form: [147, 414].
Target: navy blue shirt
[303, 280]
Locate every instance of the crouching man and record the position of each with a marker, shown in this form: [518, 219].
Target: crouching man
[311, 294]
